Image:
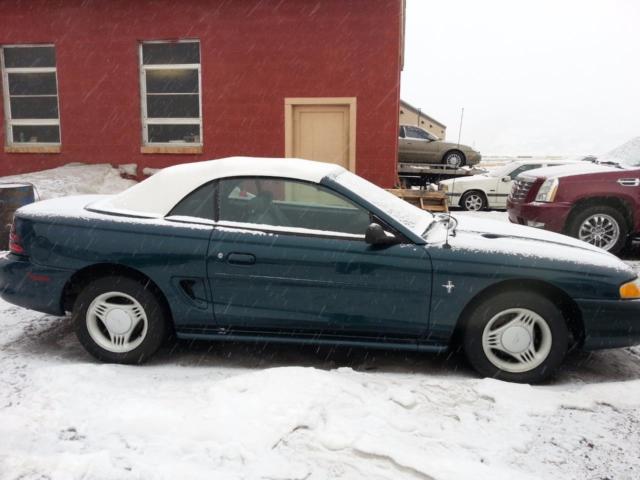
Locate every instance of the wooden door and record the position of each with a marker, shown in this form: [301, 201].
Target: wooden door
[321, 132]
[321, 129]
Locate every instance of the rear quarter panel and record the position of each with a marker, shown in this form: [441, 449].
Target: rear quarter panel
[164, 251]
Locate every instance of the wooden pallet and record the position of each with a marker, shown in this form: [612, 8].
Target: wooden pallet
[430, 201]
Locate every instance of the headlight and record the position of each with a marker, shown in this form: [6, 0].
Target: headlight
[631, 289]
[548, 190]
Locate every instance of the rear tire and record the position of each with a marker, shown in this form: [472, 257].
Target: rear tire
[602, 226]
[517, 336]
[120, 320]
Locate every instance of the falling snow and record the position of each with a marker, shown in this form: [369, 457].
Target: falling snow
[231, 411]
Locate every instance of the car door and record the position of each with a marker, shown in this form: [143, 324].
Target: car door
[422, 148]
[404, 144]
[409, 145]
[289, 258]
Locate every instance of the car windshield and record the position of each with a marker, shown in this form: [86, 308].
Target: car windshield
[624, 162]
[414, 218]
[502, 171]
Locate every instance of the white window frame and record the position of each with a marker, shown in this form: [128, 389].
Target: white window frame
[10, 122]
[169, 121]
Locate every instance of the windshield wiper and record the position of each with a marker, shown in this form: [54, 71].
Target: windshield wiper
[610, 162]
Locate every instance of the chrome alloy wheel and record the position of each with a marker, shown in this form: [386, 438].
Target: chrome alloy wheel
[517, 340]
[454, 160]
[117, 322]
[473, 202]
[600, 230]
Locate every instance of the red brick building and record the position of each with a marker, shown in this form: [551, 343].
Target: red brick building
[159, 82]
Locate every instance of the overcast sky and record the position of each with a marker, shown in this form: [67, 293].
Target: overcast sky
[534, 76]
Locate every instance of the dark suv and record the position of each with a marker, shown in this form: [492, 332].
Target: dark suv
[598, 203]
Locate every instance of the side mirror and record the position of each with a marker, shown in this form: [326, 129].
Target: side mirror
[506, 179]
[376, 235]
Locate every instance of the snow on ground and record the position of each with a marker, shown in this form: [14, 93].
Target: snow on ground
[256, 411]
[230, 411]
[74, 179]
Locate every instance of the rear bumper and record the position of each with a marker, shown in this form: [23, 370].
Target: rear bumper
[610, 323]
[31, 286]
[550, 216]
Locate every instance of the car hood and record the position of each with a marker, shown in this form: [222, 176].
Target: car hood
[570, 170]
[480, 178]
[502, 240]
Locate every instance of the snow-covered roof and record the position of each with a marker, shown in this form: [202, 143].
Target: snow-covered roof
[530, 161]
[157, 195]
[571, 169]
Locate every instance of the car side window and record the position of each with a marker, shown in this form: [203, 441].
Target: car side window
[289, 203]
[523, 168]
[415, 132]
[199, 203]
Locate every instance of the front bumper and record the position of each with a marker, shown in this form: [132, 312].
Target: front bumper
[454, 199]
[550, 216]
[473, 158]
[31, 286]
[610, 323]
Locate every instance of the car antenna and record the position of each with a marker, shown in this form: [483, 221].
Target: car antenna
[453, 184]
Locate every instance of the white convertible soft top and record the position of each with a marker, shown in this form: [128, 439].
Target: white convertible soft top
[157, 195]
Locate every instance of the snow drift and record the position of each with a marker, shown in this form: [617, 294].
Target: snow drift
[73, 179]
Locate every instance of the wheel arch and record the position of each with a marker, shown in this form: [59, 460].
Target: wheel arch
[567, 306]
[74, 285]
[620, 203]
[471, 190]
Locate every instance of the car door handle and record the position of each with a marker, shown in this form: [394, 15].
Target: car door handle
[241, 259]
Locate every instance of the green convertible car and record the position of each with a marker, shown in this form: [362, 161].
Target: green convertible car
[289, 250]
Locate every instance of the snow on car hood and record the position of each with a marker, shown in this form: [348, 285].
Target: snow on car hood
[481, 177]
[571, 169]
[475, 234]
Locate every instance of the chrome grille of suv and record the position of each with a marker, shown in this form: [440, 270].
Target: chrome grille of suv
[520, 189]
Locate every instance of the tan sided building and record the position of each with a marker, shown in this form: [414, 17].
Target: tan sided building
[410, 115]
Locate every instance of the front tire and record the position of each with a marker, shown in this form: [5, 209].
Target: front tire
[517, 336]
[454, 159]
[473, 201]
[602, 226]
[119, 320]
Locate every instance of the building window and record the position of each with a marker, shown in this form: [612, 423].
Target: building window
[171, 103]
[30, 87]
